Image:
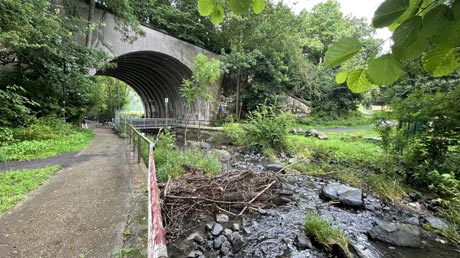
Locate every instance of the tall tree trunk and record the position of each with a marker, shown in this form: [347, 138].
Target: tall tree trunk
[237, 104]
[89, 33]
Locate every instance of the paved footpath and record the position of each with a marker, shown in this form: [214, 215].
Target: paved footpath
[80, 212]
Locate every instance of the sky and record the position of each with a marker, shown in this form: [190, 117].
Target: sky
[358, 8]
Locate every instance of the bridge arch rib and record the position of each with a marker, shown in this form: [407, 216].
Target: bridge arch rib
[154, 76]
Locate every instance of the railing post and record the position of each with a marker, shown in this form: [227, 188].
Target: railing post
[139, 148]
[156, 233]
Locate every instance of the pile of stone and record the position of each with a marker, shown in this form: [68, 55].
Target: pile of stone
[222, 239]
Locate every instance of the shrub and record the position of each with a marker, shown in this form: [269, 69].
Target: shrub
[266, 128]
[169, 161]
[232, 133]
[6, 136]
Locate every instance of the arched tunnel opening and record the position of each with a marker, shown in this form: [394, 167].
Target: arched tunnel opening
[156, 78]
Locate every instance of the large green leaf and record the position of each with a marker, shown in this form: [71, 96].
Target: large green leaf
[435, 20]
[407, 32]
[341, 51]
[258, 6]
[413, 9]
[449, 35]
[217, 15]
[341, 77]
[388, 12]
[412, 50]
[440, 61]
[205, 7]
[384, 70]
[357, 81]
[239, 6]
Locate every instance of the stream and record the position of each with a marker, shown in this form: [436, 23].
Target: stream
[272, 232]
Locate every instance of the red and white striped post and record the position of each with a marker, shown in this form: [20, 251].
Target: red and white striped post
[157, 240]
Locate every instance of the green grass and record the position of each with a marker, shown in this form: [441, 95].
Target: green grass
[15, 184]
[169, 160]
[353, 120]
[347, 149]
[37, 149]
[324, 233]
[348, 157]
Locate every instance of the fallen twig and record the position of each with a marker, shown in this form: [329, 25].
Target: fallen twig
[255, 197]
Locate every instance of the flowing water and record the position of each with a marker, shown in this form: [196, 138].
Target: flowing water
[272, 232]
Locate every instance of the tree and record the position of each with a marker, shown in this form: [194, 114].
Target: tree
[319, 28]
[40, 55]
[429, 29]
[181, 19]
[215, 9]
[205, 74]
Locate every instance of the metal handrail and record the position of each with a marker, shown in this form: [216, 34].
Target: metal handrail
[156, 247]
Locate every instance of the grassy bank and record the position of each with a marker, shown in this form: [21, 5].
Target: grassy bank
[15, 184]
[37, 149]
[350, 158]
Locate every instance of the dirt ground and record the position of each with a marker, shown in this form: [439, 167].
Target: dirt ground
[80, 212]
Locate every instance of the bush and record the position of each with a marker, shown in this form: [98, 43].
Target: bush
[169, 161]
[44, 128]
[232, 134]
[427, 139]
[6, 136]
[267, 129]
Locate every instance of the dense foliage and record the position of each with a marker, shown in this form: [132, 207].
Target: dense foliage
[39, 56]
[270, 57]
[180, 19]
[426, 29]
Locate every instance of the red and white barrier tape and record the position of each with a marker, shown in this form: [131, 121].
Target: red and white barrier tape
[157, 240]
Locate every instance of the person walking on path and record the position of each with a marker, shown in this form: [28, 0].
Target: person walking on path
[84, 123]
[80, 212]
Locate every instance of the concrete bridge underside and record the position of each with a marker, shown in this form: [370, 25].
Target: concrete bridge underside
[154, 76]
[154, 65]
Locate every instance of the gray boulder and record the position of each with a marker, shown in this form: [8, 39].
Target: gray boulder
[294, 106]
[217, 229]
[437, 223]
[296, 131]
[346, 195]
[274, 167]
[221, 155]
[302, 242]
[403, 235]
[222, 218]
[311, 132]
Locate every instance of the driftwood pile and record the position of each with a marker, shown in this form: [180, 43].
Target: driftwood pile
[232, 192]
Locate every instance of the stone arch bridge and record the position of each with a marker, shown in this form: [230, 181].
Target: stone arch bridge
[154, 66]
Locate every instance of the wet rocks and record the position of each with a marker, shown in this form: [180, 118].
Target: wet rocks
[346, 195]
[221, 218]
[221, 155]
[296, 131]
[195, 254]
[403, 235]
[302, 242]
[437, 223]
[274, 167]
[217, 229]
[315, 133]
[220, 240]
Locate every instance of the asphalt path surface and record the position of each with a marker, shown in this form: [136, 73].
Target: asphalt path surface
[80, 212]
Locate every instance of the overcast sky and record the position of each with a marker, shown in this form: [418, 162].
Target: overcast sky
[358, 8]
